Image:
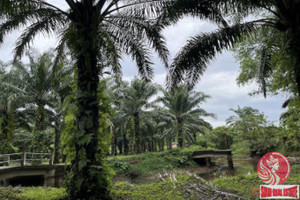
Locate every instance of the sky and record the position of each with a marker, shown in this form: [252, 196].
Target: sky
[219, 81]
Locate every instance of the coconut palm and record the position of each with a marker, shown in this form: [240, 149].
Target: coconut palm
[95, 32]
[182, 113]
[282, 16]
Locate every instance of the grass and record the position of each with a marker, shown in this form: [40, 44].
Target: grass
[151, 163]
[165, 190]
[31, 193]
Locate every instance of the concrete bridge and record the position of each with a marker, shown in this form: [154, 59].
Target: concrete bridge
[44, 175]
[208, 154]
[30, 169]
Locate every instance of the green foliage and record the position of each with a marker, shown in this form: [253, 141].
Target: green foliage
[251, 127]
[38, 193]
[32, 193]
[119, 166]
[71, 137]
[264, 59]
[151, 163]
[221, 137]
[241, 185]
[290, 120]
[6, 147]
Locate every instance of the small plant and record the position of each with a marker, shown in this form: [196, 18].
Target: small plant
[119, 166]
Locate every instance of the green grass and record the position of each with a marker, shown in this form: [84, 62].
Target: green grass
[31, 193]
[152, 163]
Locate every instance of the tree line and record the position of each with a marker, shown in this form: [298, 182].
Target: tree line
[140, 116]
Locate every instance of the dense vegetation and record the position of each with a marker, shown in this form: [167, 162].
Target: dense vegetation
[168, 189]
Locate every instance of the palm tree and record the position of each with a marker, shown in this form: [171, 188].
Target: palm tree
[192, 60]
[240, 114]
[136, 100]
[37, 92]
[32, 85]
[182, 113]
[95, 32]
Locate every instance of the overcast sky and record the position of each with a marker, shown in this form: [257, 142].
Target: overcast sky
[219, 81]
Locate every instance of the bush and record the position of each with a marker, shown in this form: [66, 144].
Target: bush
[119, 166]
[134, 172]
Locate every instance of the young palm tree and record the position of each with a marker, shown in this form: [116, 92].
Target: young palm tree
[183, 114]
[95, 32]
[192, 60]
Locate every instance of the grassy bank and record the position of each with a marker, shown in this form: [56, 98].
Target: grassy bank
[180, 188]
[134, 166]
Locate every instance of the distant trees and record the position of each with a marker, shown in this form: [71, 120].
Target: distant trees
[145, 122]
[32, 94]
[135, 102]
[221, 137]
[253, 130]
[290, 121]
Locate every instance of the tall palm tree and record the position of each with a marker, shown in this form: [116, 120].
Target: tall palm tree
[32, 85]
[95, 32]
[136, 100]
[37, 92]
[192, 60]
[182, 112]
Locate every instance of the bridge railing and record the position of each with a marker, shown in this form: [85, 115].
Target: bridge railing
[26, 157]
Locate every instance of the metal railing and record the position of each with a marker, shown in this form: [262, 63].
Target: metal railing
[25, 158]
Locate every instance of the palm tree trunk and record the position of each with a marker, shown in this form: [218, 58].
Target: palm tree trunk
[131, 140]
[114, 144]
[137, 133]
[180, 135]
[85, 170]
[57, 146]
[4, 126]
[194, 137]
[169, 143]
[120, 146]
[39, 117]
[126, 145]
[297, 66]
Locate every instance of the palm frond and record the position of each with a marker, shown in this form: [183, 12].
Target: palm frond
[192, 60]
[47, 26]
